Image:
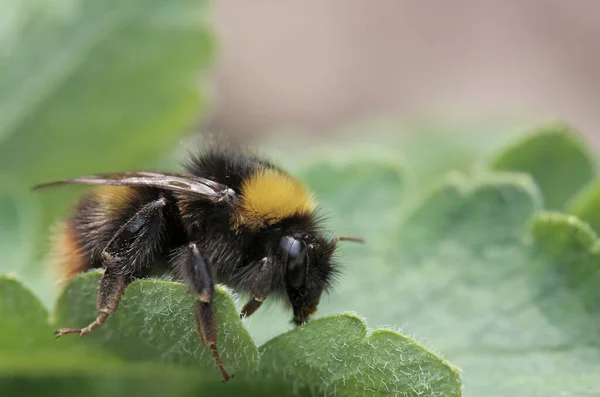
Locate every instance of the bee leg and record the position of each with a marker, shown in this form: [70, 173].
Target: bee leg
[109, 293]
[199, 276]
[260, 289]
[137, 237]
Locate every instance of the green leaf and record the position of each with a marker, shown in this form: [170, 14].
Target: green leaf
[555, 157]
[32, 362]
[333, 356]
[131, 381]
[430, 146]
[95, 86]
[89, 79]
[515, 308]
[23, 319]
[19, 217]
[341, 184]
[27, 342]
[155, 322]
[586, 205]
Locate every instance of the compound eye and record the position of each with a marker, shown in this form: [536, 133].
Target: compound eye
[296, 261]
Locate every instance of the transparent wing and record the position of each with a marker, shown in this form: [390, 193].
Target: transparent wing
[204, 188]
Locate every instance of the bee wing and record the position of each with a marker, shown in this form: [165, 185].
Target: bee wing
[204, 188]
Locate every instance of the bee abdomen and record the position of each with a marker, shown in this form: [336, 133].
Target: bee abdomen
[70, 256]
[80, 240]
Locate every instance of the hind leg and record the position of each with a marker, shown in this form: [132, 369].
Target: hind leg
[109, 293]
[137, 240]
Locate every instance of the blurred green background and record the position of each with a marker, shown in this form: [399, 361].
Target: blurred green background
[96, 86]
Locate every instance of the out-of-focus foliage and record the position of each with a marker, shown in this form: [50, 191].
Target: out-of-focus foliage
[555, 158]
[90, 86]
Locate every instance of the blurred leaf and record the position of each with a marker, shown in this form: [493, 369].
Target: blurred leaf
[333, 356]
[432, 146]
[429, 146]
[23, 319]
[19, 221]
[127, 382]
[95, 86]
[555, 157]
[90, 79]
[376, 184]
[586, 205]
[515, 317]
[516, 307]
[27, 342]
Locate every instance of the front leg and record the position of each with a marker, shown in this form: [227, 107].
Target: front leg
[261, 285]
[198, 275]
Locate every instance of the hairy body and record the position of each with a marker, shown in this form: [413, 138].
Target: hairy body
[233, 218]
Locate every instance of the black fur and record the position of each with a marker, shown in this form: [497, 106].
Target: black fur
[157, 229]
[233, 256]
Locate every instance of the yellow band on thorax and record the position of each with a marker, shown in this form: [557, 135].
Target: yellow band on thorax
[269, 196]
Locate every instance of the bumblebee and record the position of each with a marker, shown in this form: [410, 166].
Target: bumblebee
[232, 218]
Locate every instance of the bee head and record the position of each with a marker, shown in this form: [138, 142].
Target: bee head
[309, 272]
